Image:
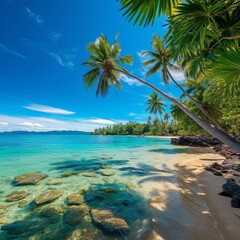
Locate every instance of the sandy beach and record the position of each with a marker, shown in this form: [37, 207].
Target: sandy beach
[192, 167]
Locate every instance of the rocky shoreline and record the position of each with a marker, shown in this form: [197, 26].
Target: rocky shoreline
[229, 168]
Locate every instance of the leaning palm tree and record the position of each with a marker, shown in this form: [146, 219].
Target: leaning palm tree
[107, 70]
[161, 61]
[156, 106]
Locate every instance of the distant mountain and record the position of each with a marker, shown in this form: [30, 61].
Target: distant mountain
[45, 133]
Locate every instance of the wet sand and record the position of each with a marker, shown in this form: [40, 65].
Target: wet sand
[227, 218]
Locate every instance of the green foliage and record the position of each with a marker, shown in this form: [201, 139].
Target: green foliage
[155, 105]
[105, 61]
[135, 128]
[145, 11]
[225, 71]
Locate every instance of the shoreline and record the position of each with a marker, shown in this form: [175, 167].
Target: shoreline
[227, 218]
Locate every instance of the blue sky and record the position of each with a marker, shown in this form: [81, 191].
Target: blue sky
[42, 45]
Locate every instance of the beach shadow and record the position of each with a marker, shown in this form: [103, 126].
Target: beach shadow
[181, 213]
[188, 150]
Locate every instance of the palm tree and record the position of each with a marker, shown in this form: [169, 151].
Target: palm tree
[107, 70]
[161, 60]
[156, 106]
[203, 35]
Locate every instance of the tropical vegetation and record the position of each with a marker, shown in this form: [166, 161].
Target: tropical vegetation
[202, 40]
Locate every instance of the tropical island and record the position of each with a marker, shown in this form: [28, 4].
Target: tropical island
[169, 170]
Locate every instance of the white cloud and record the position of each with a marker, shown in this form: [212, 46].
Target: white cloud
[130, 81]
[178, 75]
[3, 123]
[38, 19]
[102, 121]
[55, 36]
[63, 61]
[48, 109]
[8, 50]
[132, 114]
[30, 124]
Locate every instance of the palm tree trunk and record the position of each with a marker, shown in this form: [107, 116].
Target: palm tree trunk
[198, 104]
[215, 132]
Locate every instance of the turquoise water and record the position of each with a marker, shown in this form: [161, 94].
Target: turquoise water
[139, 165]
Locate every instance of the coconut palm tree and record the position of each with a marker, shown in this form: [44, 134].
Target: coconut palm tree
[161, 61]
[107, 70]
[156, 106]
[203, 35]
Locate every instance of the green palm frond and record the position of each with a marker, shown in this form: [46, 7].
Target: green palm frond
[225, 71]
[153, 69]
[105, 61]
[155, 104]
[127, 59]
[91, 77]
[145, 11]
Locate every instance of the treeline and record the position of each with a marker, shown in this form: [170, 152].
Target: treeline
[152, 127]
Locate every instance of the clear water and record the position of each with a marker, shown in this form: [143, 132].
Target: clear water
[138, 162]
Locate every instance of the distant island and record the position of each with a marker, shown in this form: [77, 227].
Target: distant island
[46, 133]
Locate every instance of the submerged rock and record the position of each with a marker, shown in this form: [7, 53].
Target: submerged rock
[106, 158]
[105, 166]
[53, 182]
[69, 174]
[107, 220]
[75, 199]
[2, 212]
[47, 197]
[49, 211]
[89, 174]
[3, 206]
[74, 215]
[107, 172]
[3, 221]
[18, 227]
[29, 179]
[16, 196]
[22, 203]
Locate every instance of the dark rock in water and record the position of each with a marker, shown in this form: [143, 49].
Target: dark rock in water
[75, 199]
[75, 214]
[47, 197]
[49, 211]
[107, 220]
[18, 227]
[69, 174]
[29, 179]
[126, 203]
[16, 196]
[232, 189]
[196, 141]
[22, 203]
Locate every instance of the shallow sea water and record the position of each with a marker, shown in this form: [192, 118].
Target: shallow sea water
[143, 166]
